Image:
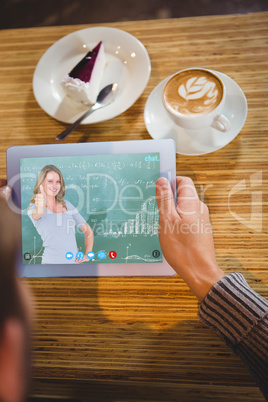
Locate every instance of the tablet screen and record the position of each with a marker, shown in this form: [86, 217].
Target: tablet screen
[90, 209]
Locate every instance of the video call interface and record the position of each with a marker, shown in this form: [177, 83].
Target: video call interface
[113, 194]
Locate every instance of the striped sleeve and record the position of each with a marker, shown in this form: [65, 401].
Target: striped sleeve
[239, 316]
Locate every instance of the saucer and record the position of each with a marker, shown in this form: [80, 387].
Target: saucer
[127, 63]
[196, 142]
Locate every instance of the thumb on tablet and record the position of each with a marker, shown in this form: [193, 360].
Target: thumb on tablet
[5, 192]
[164, 197]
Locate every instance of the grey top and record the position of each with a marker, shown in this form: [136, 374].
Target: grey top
[57, 231]
[239, 316]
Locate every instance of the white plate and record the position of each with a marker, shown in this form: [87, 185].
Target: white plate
[196, 142]
[128, 64]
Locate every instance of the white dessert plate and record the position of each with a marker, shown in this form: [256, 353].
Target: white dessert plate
[127, 64]
[202, 141]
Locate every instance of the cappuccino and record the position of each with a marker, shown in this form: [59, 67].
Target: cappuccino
[193, 92]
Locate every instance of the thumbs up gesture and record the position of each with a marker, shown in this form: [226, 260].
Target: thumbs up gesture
[40, 203]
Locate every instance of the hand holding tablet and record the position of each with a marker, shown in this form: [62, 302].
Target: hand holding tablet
[105, 222]
[185, 234]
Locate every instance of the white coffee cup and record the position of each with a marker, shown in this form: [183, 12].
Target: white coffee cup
[195, 98]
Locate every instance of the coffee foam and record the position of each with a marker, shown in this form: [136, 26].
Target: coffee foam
[193, 92]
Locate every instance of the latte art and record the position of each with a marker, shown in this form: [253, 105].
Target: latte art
[193, 92]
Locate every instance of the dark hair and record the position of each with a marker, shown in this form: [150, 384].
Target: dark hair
[10, 298]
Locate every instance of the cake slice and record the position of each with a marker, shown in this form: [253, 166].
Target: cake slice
[82, 84]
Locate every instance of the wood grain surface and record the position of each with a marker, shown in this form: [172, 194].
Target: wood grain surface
[140, 338]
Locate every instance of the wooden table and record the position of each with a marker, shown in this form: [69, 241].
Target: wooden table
[139, 338]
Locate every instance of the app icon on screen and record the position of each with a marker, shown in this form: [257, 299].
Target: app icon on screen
[27, 256]
[156, 253]
[69, 255]
[90, 255]
[113, 254]
[101, 255]
[80, 255]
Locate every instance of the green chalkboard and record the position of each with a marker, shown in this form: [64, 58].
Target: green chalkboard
[116, 196]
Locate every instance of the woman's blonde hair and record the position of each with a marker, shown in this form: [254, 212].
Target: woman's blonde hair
[41, 177]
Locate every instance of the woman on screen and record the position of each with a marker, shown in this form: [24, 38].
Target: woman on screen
[55, 220]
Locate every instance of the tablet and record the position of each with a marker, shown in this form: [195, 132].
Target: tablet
[89, 209]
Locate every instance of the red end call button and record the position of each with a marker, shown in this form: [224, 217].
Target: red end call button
[112, 255]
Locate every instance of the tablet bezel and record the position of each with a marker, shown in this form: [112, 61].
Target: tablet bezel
[166, 149]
